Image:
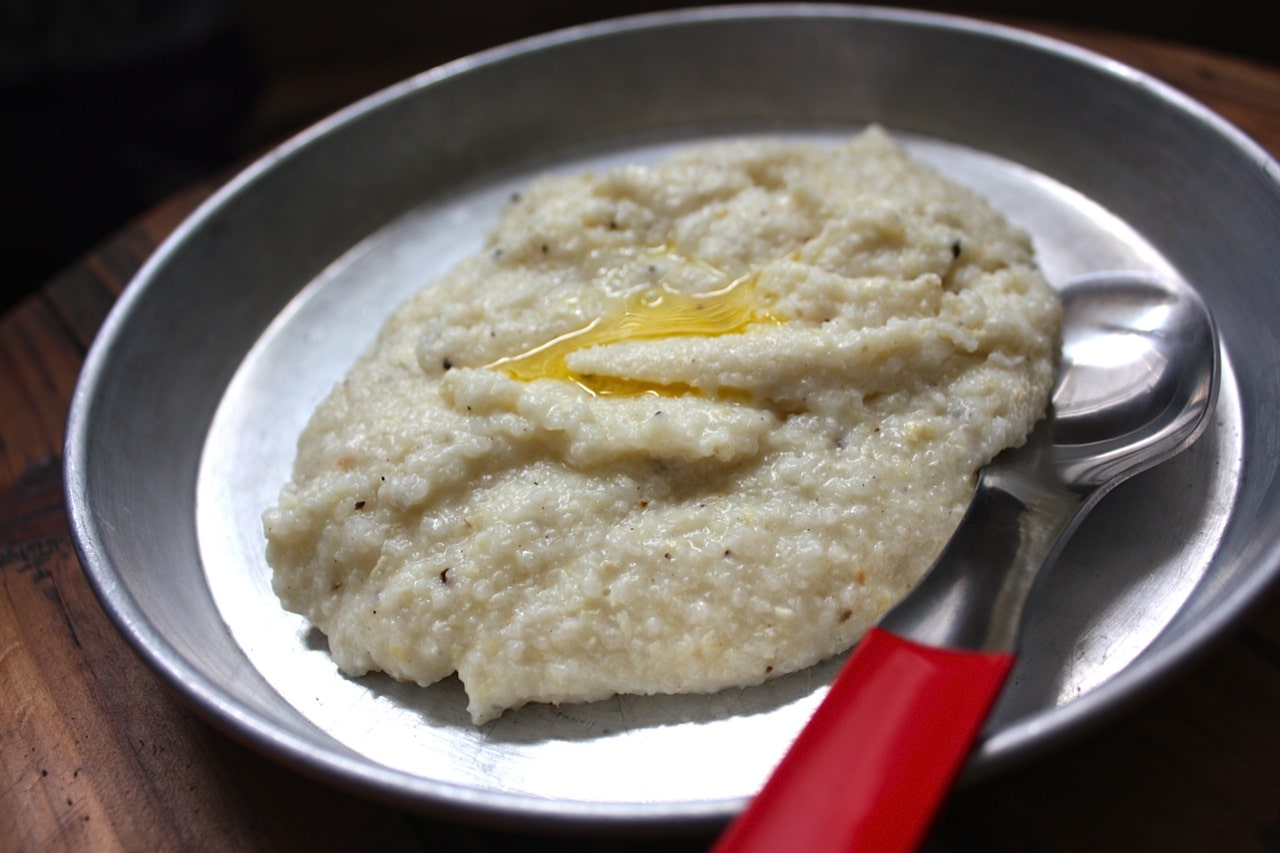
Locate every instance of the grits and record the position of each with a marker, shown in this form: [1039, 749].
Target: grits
[678, 428]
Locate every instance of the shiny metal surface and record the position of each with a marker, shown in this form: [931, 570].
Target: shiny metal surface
[1138, 378]
[1137, 383]
[183, 424]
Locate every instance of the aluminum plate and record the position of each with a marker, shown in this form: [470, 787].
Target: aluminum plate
[183, 425]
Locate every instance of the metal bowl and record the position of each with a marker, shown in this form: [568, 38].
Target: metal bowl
[184, 422]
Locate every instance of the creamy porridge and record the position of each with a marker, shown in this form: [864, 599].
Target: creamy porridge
[679, 427]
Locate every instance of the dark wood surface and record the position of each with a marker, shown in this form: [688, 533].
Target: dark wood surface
[95, 753]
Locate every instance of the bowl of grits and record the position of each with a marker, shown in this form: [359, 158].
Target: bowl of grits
[498, 453]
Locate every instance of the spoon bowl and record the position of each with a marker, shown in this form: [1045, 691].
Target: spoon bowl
[1137, 378]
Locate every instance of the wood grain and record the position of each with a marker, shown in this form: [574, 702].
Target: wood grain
[96, 754]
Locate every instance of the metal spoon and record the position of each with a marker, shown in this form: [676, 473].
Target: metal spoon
[1136, 385]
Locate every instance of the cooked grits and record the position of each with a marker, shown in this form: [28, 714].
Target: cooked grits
[677, 428]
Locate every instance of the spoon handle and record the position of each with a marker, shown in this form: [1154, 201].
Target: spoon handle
[871, 768]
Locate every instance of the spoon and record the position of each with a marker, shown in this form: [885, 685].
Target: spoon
[1136, 384]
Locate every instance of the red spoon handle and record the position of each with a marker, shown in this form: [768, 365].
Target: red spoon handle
[871, 768]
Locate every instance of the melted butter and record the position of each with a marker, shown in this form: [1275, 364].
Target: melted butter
[655, 313]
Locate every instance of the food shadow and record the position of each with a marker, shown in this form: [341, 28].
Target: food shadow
[444, 705]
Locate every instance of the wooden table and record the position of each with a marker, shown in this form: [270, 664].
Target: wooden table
[95, 753]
